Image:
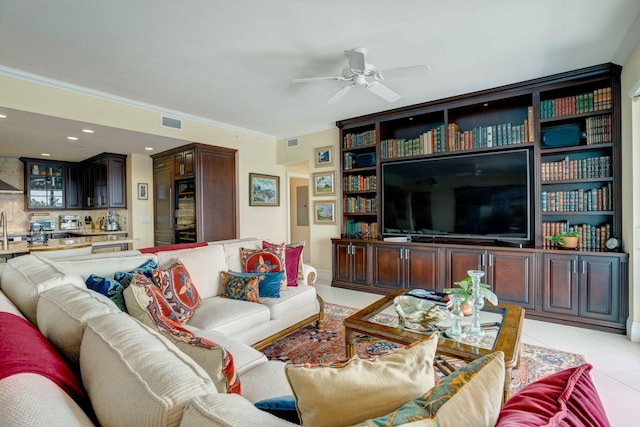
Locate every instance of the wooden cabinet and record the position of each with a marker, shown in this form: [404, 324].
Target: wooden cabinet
[44, 183]
[511, 276]
[73, 186]
[402, 266]
[208, 174]
[105, 180]
[351, 263]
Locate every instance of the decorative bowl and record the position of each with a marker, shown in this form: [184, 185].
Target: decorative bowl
[417, 310]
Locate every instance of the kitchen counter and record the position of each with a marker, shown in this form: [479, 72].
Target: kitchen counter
[22, 247]
[94, 232]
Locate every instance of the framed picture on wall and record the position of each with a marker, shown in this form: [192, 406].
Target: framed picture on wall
[324, 184]
[143, 191]
[324, 212]
[264, 190]
[324, 156]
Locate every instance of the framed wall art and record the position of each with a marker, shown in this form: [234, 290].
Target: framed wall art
[324, 184]
[143, 191]
[264, 190]
[324, 212]
[323, 156]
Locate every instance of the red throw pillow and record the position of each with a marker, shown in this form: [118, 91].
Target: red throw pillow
[293, 261]
[178, 288]
[566, 398]
[269, 260]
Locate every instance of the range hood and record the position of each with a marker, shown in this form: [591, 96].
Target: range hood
[8, 189]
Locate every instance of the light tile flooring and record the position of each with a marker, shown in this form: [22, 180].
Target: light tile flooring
[615, 359]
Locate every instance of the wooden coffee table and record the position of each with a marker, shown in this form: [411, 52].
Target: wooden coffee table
[507, 332]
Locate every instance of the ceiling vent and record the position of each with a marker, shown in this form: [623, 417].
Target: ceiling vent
[170, 122]
[293, 142]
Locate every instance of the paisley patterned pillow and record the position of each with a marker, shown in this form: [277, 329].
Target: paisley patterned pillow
[245, 288]
[177, 287]
[110, 288]
[267, 260]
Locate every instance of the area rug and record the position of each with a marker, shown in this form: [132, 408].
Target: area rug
[311, 345]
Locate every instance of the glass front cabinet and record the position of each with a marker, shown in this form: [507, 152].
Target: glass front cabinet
[44, 185]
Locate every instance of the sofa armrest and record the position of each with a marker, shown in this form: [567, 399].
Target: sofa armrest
[310, 274]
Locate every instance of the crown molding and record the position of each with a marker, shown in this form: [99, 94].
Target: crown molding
[105, 96]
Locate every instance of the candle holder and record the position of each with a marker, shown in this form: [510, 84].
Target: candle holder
[477, 303]
[456, 314]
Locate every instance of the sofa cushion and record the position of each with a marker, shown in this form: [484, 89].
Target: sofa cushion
[290, 301]
[148, 305]
[566, 398]
[361, 389]
[135, 376]
[178, 288]
[110, 288]
[63, 313]
[243, 288]
[293, 261]
[146, 268]
[229, 316]
[232, 251]
[470, 396]
[269, 260]
[100, 266]
[203, 264]
[268, 286]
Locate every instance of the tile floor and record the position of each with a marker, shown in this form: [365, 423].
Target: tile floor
[615, 359]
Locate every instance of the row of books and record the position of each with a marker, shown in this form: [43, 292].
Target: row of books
[596, 199]
[361, 229]
[591, 167]
[360, 204]
[431, 141]
[353, 140]
[360, 183]
[593, 237]
[599, 129]
[599, 99]
[488, 136]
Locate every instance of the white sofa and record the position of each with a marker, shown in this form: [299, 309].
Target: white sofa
[132, 374]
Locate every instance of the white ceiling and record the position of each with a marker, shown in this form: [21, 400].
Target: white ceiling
[233, 61]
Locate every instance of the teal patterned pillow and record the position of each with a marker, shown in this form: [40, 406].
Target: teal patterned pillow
[469, 385]
[146, 268]
[110, 288]
[240, 287]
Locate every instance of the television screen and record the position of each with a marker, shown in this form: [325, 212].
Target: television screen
[483, 195]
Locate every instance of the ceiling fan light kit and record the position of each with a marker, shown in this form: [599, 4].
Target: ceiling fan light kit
[357, 73]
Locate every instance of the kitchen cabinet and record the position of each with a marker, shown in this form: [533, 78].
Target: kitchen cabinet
[44, 183]
[184, 162]
[73, 186]
[163, 200]
[105, 181]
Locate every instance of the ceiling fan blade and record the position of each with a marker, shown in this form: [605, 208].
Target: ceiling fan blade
[383, 92]
[406, 71]
[312, 79]
[356, 58]
[339, 94]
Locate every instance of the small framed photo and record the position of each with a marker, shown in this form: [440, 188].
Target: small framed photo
[324, 212]
[324, 156]
[264, 190]
[324, 184]
[143, 191]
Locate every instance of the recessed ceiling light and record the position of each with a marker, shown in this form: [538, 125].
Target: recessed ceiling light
[45, 154]
[2, 116]
[72, 138]
[148, 148]
[87, 130]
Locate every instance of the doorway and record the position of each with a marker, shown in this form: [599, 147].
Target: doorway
[299, 230]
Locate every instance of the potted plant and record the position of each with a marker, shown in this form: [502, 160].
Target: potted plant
[465, 289]
[565, 239]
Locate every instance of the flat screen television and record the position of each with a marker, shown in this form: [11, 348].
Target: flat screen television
[471, 196]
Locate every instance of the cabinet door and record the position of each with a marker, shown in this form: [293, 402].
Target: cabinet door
[511, 276]
[215, 183]
[599, 287]
[88, 185]
[421, 267]
[387, 266]
[44, 185]
[73, 189]
[341, 261]
[560, 284]
[117, 171]
[461, 260]
[163, 202]
[359, 264]
[184, 163]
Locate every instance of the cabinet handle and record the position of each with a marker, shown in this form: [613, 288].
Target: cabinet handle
[584, 267]
[491, 260]
[482, 261]
[401, 253]
[406, 253]
[574, 267]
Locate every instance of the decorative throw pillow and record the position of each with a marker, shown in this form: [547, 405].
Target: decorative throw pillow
[146, 268]
[361, 388]
[566, 398]
[240, 287]
[110, 288]
[177, 287]
[293, 261]
[269, 260]
[269, 285]
[282, 407]
[147, 303]
[470, 396]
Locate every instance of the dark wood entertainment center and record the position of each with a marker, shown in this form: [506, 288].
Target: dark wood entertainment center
[575, 183]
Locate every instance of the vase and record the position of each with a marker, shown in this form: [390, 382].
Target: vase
[478, 303]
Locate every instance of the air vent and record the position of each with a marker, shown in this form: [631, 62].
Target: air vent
[170, 122]
[293, 142]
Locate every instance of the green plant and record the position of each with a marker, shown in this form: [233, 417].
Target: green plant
[559, 238]
[465, 288]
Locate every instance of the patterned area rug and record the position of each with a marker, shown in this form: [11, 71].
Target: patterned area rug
[311, 345]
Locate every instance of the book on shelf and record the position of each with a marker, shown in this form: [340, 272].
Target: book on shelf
[596, 100]
[592, 237]
[354, 140]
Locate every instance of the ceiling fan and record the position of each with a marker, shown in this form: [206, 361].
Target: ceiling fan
[357, 72]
